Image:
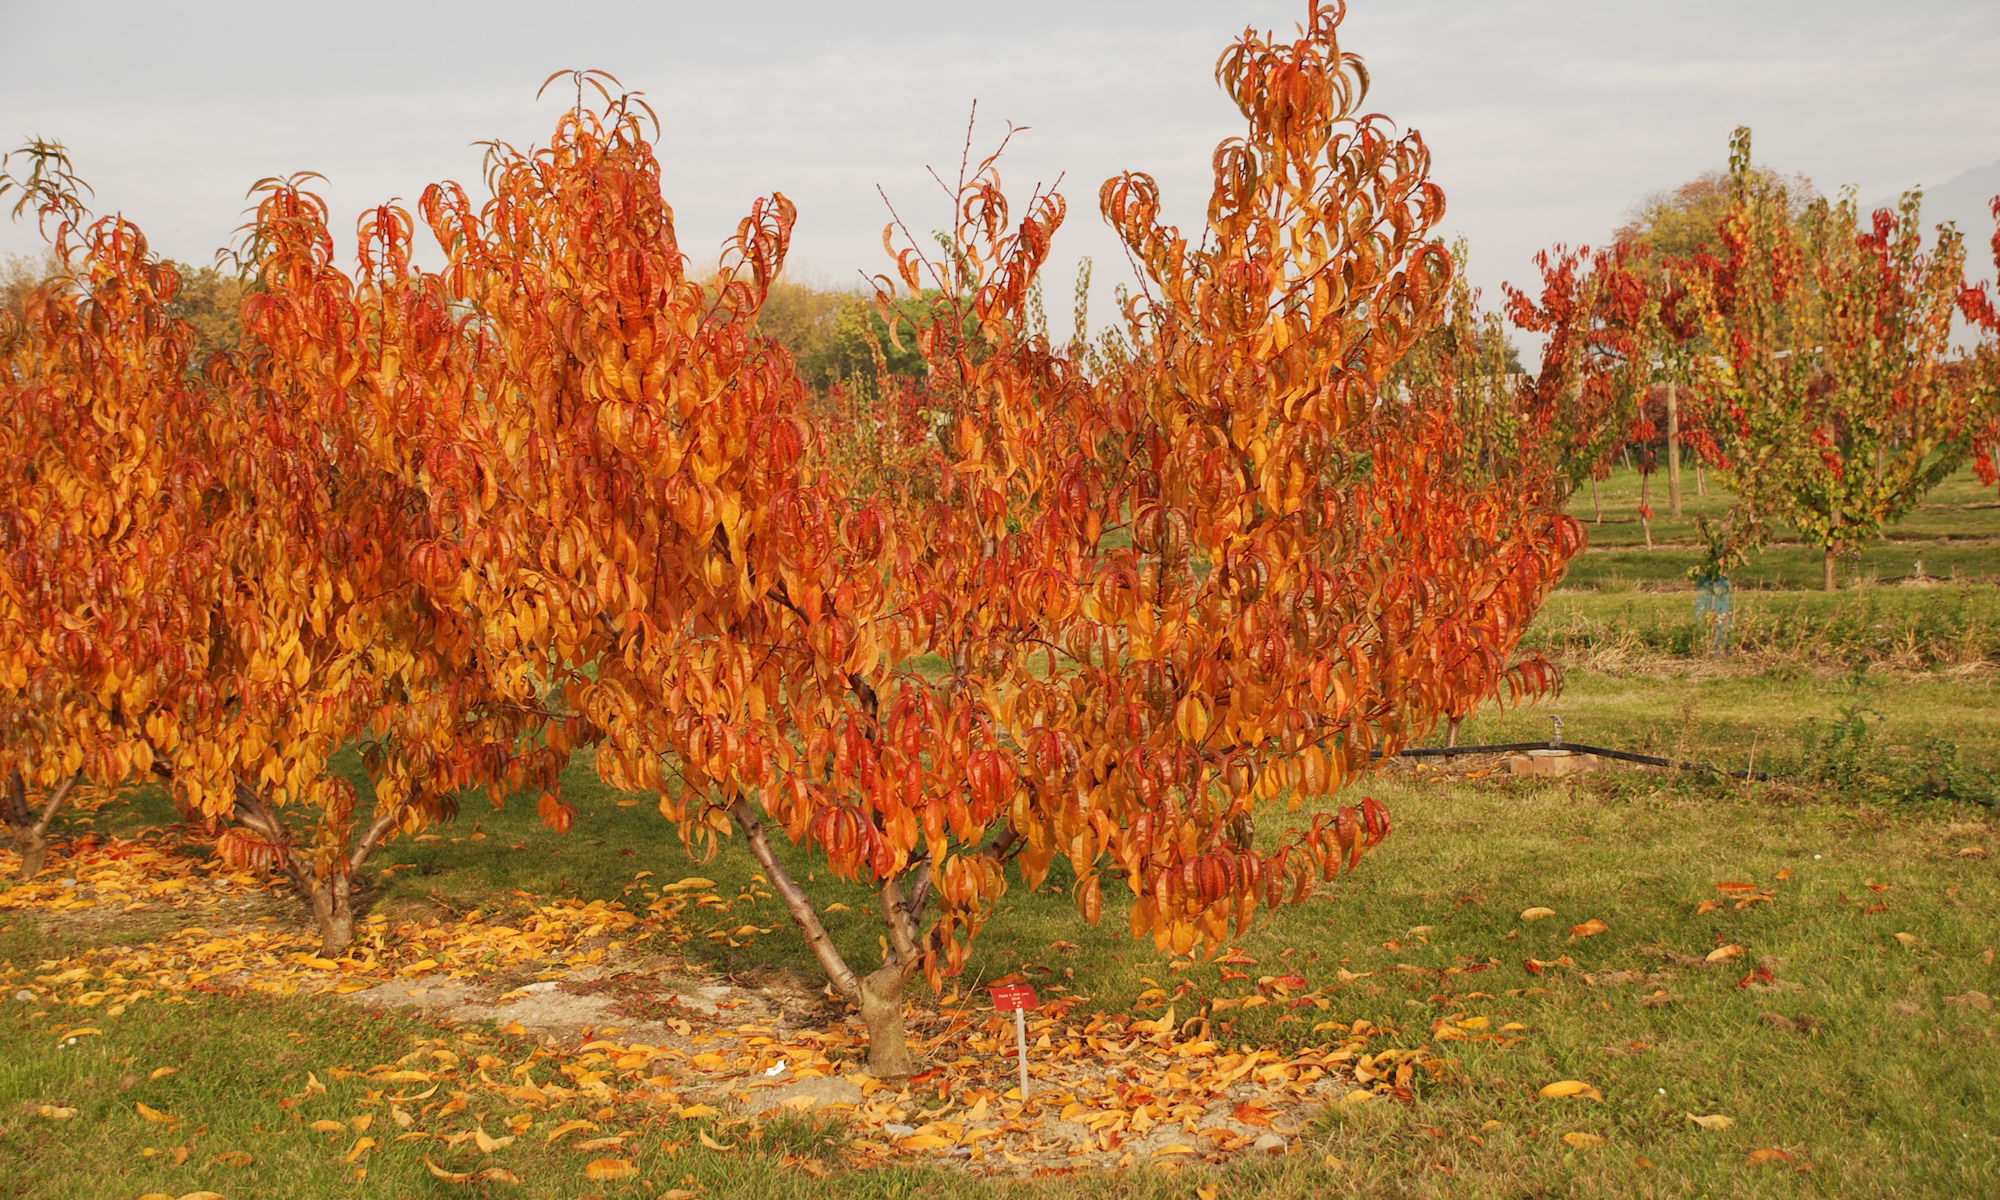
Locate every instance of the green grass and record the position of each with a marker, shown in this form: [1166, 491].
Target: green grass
[1913, 627]
[1889, 1093]
[1960, 507]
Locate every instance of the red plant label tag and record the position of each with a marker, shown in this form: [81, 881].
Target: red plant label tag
[1008, 997]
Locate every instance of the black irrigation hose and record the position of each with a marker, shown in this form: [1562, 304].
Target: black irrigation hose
[1647, 760]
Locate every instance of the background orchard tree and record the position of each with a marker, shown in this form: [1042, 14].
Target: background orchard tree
[1469, 367]
[1599, 315]
[1832, 407]
[1982, 372]
[108, 556]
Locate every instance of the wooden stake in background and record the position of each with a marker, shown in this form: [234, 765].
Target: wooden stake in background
[1019, 999]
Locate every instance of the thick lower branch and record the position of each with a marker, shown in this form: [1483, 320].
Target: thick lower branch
[804, 915]
[56, 797]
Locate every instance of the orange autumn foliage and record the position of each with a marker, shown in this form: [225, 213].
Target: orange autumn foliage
[1099, 609]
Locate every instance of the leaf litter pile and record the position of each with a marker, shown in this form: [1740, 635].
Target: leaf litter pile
[575, 1024]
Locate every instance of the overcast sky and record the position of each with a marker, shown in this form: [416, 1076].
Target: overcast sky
[1548, 119]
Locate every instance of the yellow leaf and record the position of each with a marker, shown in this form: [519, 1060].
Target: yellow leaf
[697, 1112]
[325, 1126]
[693, 883]
[361, 1146]
[54, 1113]
[498, 1175]
[1724, 953]
[1590, 928]
[1766, 1155]
[1714, 1122]
[924, 1141]
[153, 1114]
[486, 1144]
[447, 1176]
[94, 1031]
[1908, 939]
[1583, 1141]
[200, 1196]
[1564, 1089]
[1173, 1148]
[680, 1194]
[602, 1169]
[162, 1072]
[711, 1143]
[234, 1158]
[1537, 913]
[568, 1127]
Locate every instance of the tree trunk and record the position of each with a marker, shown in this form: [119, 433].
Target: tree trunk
[1700, 479]
[1646, 522]
[33, 847]
[1596, 503]
[1830, 582]
[1451, 733]
[1673, 452]
[332, 903]
[881, 1000]
[28, 828]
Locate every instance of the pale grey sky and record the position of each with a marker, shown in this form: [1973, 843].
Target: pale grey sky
[1548, 119]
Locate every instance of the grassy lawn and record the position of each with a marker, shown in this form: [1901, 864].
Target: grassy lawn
[1853, 1057]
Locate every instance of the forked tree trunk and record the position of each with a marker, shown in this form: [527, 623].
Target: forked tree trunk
[28, 828]
[878, 995]
[332, 902]
[329, 898]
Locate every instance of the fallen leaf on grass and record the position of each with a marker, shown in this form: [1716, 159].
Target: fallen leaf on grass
[447, 1176]
[1590, 928]
[1583, 1141]
[568, 1127]
[697, 1112]
[1908, 939]
[712, 1144]
[1537, 913]
[1724, 953]
[153, 1114]
[1978, 1000]
[1713, 1122]
[234, 1158]
[55, 1113]
[1757, 1158]
[1564, 1089]
[602, 1169]
[162, 1072]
